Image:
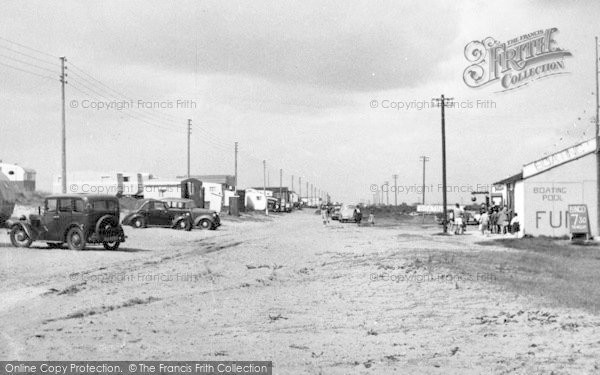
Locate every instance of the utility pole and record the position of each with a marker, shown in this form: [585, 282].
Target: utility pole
[63, 81]
[597, 148]
[300, 188]
[265, 187]
[189, 133]
[307, 193]
[395, 189]
[292, 182]
[235, 166]
[311, 194]
[387, 193]
[281, 189]
[425, 159]
[442, 102]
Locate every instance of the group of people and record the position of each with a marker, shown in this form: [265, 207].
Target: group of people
[356, 215]
[496, 220]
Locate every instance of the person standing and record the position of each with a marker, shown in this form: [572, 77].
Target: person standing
[484, 222]
[503, 220]
[494, 220]
[514, 224]
[324, 215]
[357, 215]
[371, 218]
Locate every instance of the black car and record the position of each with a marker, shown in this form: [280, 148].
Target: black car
[202, 218]
[155, 213]
[76, 219]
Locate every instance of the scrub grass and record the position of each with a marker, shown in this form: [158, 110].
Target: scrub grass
[562, 273]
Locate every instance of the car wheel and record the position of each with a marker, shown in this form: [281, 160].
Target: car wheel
[138, 223]
[184, 224]
[76, 239]
[111, 245]
[205, 224]
[20, 238]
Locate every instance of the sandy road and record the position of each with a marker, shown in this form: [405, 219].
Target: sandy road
[313, 299]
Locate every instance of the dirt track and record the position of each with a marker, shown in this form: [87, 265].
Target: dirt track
[310, 298]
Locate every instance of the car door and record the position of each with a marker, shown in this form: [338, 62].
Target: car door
[50, 219]
[158, 214]
[57, 217]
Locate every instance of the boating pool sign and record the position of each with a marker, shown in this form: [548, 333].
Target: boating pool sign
[579, 221]
[516, 62]
[547, 206]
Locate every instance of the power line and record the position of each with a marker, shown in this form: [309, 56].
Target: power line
[27, 71]
[29, 48]
[30, 56]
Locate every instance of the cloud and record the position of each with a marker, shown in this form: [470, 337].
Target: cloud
[361, 46]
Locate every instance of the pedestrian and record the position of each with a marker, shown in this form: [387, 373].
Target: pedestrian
[324, 215]
[357, 215]
[494, 220]
[458, 224]
[484, 222]
[371, 218]
[515, 227]
[503, 220]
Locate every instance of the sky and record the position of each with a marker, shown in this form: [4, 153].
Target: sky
[294, 83]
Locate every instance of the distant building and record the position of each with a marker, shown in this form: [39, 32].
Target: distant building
[218, 188]
[21, 178]
[541, 193]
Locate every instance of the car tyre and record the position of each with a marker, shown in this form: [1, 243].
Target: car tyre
[205, 224]
[76, 239]
[184, 224]
[20, 238]
[111, 245]
[138, 223]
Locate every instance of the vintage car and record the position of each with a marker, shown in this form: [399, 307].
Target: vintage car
[347, 213]
[335, 213]
[156, 213]
[76, 219]
[202, 218]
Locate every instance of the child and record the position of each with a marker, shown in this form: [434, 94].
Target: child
[458, 224]
[371, 218]
[484, 222]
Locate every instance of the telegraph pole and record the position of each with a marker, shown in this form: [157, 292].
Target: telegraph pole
[395, 189]
[442, 102]
[189, 133]
[280, 188]
[597, 148]
[425, 159]
[63, 81]
[236, 169]
[265, 187]
[387, 193]
[307, 193]
[292, 182]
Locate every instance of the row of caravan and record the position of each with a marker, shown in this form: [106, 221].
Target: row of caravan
[213, 194]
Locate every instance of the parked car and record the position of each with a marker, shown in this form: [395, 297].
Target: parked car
[156, 213]
[202, 218]
[347, 213]
[76, 219]
[335, 213]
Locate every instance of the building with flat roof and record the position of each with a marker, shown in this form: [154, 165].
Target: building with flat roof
[541, 193]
